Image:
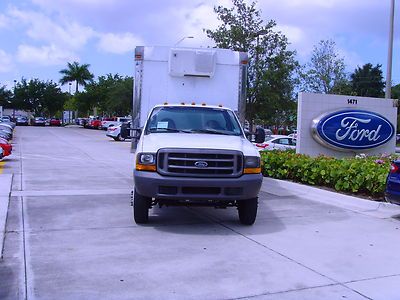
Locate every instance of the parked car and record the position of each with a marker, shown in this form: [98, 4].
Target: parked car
[6, 129]
[1, 153]
[12, 124]
[39, 121]
[276, 142]
[81, 121]
[22, 121]
[115, 132]
[392, 191]
[7, 125]
[7, 120]
[55, 122]
[109, 122]
[6, 146]
[93, 122]
[5, 135]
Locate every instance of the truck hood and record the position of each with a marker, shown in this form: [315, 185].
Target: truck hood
[155, 141]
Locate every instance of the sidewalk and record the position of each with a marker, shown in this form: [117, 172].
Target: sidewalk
[5, 190]
[381, 210]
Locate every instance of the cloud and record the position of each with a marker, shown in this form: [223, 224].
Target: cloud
[118, 43]
[6, 64]
[64, 33]
[4, 21]
[44, 55]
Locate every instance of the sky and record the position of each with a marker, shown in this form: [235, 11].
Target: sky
[39, 37]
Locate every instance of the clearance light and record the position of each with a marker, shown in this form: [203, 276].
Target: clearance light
[244, 62]
[252, 170]
[193, 103]
[219, 105]
[150, 168]
[182, 103]
[165, 103]
[203, 104]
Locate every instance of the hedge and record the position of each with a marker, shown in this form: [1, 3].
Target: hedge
[359, 175]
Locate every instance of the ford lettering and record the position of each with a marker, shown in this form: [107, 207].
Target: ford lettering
[352, 130]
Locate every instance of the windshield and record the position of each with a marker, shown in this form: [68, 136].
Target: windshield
[193, 120]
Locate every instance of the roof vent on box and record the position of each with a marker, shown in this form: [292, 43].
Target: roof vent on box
[192, 62]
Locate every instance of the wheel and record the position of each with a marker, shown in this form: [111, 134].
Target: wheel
[247, 210]
[141, 205]
[120, 138]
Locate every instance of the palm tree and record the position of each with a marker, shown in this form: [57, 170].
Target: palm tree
[78, 73]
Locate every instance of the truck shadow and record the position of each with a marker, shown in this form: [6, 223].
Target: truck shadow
[211, 221]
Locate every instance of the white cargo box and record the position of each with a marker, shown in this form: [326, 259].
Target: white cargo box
[188, 75]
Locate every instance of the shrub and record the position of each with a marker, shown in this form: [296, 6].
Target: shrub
[365, 175]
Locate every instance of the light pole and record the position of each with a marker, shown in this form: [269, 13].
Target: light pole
[69, 87]
[181, 40]
[390, 53]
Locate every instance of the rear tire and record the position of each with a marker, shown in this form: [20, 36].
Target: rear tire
[141, 206]
[247, 210]
[120, 138]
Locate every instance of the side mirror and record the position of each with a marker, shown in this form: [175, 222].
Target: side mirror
[260, 136]
[136, 132]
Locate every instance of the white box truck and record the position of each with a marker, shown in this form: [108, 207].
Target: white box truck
[190, 147]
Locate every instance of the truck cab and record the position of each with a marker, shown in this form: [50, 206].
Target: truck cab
[192, 153]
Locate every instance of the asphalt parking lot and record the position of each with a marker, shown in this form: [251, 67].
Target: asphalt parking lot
[70, 235]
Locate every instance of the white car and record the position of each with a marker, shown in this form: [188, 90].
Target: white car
[277, 142]
[115, 132]
[118, 121]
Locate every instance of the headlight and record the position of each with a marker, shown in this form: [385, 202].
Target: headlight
[147, 158]
[252, 165]
[146, 162]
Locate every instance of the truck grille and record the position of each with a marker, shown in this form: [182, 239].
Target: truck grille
[199, 163]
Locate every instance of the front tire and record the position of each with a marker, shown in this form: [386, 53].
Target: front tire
[247, 210]
[120, 138]
[141, 206]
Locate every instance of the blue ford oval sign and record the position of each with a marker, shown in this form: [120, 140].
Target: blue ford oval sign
[352, 129]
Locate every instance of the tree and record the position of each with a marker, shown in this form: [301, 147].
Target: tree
[5, 97]
[396, 91]
[368, 81]
[40, 97]
[78, 73]
[326, 70]
[272, 66]
[111, 94]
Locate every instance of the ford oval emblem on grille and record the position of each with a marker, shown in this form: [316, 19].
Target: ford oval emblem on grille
[201, 164]
[352, 129]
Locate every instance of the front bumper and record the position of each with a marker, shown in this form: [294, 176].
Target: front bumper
[111, 134]
[154, 185]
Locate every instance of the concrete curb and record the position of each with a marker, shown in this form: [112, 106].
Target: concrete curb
[367, 207]
[5, 192]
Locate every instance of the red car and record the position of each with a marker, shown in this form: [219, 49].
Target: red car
[94, 122]
[55, 122]
[6, 146]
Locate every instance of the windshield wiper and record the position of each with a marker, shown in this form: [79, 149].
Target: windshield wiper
[211, 131]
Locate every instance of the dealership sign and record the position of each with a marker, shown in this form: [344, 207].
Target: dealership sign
[352, 129]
